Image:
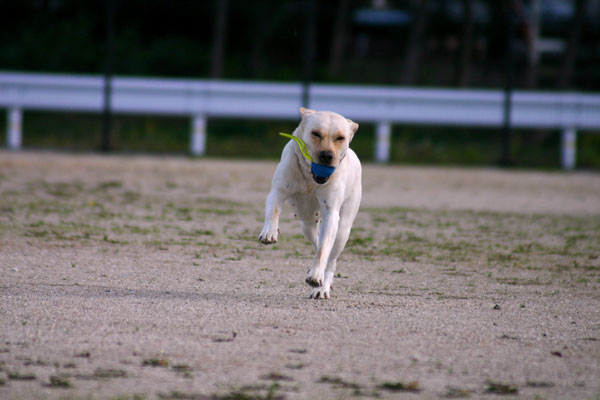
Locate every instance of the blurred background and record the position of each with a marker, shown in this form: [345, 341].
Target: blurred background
[417, 43]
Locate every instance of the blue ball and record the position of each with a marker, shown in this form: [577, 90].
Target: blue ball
[322, 171]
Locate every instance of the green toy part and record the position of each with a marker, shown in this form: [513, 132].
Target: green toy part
[301, 144]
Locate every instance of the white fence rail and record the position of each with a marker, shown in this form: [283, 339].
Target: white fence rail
[201, 99]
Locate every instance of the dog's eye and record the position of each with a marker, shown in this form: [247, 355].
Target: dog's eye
[316, 134]
[339, 139]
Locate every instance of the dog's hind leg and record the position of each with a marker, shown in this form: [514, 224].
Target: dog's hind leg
[307, 210]
[310, 229]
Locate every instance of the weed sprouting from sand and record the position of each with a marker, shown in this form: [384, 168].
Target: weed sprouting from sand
[338, 382]
[412, 386]
[245, 393]
[501, 388]
[107, 373]
[276, 376]
[129, 397]
[454, 392]
[156, 362]
[18, 376]
[60, 382]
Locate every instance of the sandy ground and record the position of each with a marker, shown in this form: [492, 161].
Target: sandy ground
[142, 278]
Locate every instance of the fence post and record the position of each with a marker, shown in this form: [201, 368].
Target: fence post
[382, 142]
[569, 148]
[14, 132]
[198, 136]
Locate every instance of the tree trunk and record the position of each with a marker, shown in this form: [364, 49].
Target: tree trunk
[219, 38]
[466, 44]
[105, 144]
[533, 33]
[261, 30]
[415, 42]
[565, 76]
[339, 38]
[310, 41]
[511, 23]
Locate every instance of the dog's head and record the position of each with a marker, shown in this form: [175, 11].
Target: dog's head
[327, 136]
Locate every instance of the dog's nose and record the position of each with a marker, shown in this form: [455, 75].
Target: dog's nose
[326, 157]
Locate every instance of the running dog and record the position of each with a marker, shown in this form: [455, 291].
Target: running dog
[325, 204]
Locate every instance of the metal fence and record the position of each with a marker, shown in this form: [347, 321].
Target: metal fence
[202, 99]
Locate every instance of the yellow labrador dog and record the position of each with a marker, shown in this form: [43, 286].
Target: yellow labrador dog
[325, 205]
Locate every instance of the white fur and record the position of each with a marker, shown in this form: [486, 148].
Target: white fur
[326, 211]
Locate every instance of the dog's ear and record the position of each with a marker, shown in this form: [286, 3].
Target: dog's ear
[305, 112]
[353, 126]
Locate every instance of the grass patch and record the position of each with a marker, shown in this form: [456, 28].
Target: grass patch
[114, 241]
[60, 382]
[338, 382]
[103, 186]
[500, 258]
[360, 241]
[400, 386]
[155, 362]
[18, 376]
[271, 394]
[218, 211]
[453, 392]
[276, 376]
[197, 232]
[108, 373]
[515, 281]
[501, 388]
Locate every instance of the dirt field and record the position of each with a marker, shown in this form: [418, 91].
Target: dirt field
[142, 278]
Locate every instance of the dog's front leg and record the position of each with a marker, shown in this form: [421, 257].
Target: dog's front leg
[327, 235]
[273, 208]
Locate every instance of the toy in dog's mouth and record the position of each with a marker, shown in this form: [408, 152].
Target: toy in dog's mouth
[320, 172]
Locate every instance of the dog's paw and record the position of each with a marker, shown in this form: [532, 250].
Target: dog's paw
[320, 292]
[315, 277]
[268, 235]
